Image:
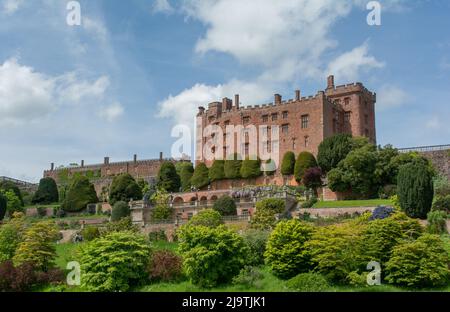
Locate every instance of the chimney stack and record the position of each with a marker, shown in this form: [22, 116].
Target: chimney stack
[82, 163]
[135, 158]
[106, 161]
[277, 99]
[297, 95]
[330, 80]
[161, 156]
[236, 101]
[52, 166]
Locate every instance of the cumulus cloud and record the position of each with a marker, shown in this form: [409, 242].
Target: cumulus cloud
[112, 112]
[73, 90]
[162, 6]
[390, 96]
[11, 6]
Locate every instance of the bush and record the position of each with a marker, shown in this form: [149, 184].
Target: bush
[123, 225]
[256, 241]
[186, 173]
[80, 194]
[16, 279]
[200, 177]
[381, 212]
[3, 206]
[308, 282]
[13, 203]
[226, 206]
[441, 186]
[249, 277]
[288, 163]
[232, 167]
[415, 189]
[166, 266]
[266, 209]
[47, 192]
[161, 210]
[10, 186]
[251, 168]
[442, 204]
[114, 262]
[211, 256]
[286, 253]
[411, 228]
[305, 160]
[332, 150]
[310, 202]
[207, 217]
[421, 263]
[168, 178]
[10, 237]
[124, 188]
[156, 236]
[217, 171]
[42, 211]
[120, 210]
[90, 233]
[388, 191]
[437, 222]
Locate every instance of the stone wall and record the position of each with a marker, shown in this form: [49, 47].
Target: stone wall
[440, 160]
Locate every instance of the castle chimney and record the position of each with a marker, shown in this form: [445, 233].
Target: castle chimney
[330, 80]
[135, 158]
[277, 99]
[161, 156]
[106, 161]
[82, 163]
[52, 166]
[297, 95]
[236, 101]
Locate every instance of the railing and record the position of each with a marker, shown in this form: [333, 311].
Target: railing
[17, 181]
[431, 148]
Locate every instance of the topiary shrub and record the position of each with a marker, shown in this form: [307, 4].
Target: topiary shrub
[305, 160]
[186, 173]
[120, 210]
[47, 192]
[256, 241]
[124, 188]
[90, 233]
[3, 206]
[437, 222]
[250, 168]
[80, 194]
[200, 177]
[266, 209]
[217, 171]
[288, 163]
[168, 178]
[226, 206]
[418, 264]
[207, 217]
[286, 253]
[442, 204]
[415, 189]
[308, 282]
[165, 266]
[232, 166]
[332, 150]
[212, 256]
[114, 262]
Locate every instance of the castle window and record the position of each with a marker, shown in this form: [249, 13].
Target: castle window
[285, 114]
[265, 118]
[347, 116]
[347, 101]
[306, 141]
[366, 119]
[285, 128]
[274, 117]
[305, 121]
[246, 119]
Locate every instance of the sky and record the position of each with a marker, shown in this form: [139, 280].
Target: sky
[118, 83]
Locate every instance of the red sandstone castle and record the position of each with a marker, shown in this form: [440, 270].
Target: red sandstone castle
[304, 122]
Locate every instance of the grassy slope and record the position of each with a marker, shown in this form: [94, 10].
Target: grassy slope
[352, 203]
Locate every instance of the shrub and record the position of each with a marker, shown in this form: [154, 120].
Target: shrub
[161, 210]
[232, 166]
[421, 263]
[286, 253]
[256, 241]
[249, 277]
[387, 191]
[332, 150]
[415, 189]
[42, 211]
[156, 236]
[166, 266]
[10, 186]
[90, 233]
[411, 228]
[381, 212]
[186, 173]
[211, 256]
[250, 168]
[308, 282]
[10, 237]
[114, 262]
[310, 202]
[80, 194]
[3, 206]
[217, 171]
[441, 186]
[305, 160]
[123, 225]
[168, 178]
[437, 222]
[226, 206]
[442, 203]
[16, 279]
[124, 188]
[207, 217]
[13, 203]
[288, 163]
[120, 210]
[266, 209]
[47, 192]
[200, 177]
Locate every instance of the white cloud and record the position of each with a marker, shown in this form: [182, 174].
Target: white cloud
[389, 96]
[162, 6]
[11, 6]
[95, 27]
[112, 112]
[73, 90]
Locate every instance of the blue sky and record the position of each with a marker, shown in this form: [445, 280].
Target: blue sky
[117, 84]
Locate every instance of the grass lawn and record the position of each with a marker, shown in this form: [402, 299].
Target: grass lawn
[352, 203]
[65, 253]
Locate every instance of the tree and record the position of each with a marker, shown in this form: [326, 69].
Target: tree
[3, 206]
[161, 209]
[200, 178]
[120, 210]
[288, 163]
[168, 177]
[217, 172]
[10, 237]
[226, 206]
[143, 185]
[313, 178]
[207, 217]
[266, 209]
[251, 168]
[10, 186]
[47, 192]
[415, 189]
[232, 166]
[114, 262]
[124, 188]
[80, 194]
[13, 203]
[334, 149]
[186, 172]
[305, 160]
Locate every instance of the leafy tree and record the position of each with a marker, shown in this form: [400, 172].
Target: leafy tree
[288, 163]
[186, 172]
[124, 188]
[81, 193]
[305, 160]
[250, 168]
[207, 217]
[47, 192]
[217, 171]
[334, 149]
[168, 177]
[420, 263]
[3, 206]
[143, 185]
[114, 262]
[120, 210]
[13, 203]
[313, 178]
[161, 209]
[415, 189]
[10, 186]
[266, 209]
[256, 241]
[232, 166]
[38, 246]
[10, 237]
[212, 256]
[226, 206]
[200, 178]
[386, 168]
[286, 253]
